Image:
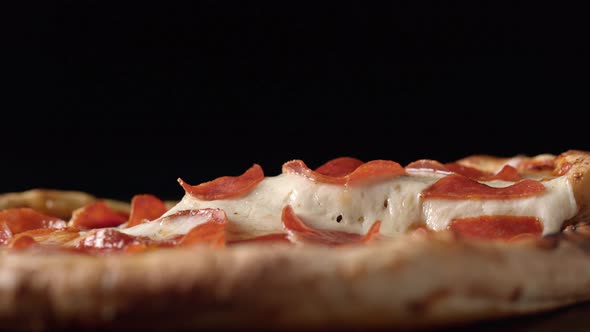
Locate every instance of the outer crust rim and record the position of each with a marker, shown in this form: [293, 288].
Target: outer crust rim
[452, 281]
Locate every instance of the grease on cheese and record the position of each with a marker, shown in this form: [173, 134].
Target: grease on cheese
[396, 202]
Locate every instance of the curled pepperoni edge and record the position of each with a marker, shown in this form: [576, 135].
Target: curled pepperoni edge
[457, 186]
[144, 208]
[339, 166]
[372, 170]
[226, 186]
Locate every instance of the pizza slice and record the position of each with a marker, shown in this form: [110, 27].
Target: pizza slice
[348, 244]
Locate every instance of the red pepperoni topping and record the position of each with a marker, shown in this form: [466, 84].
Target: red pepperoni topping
[375, 170]
[470, 172]
[107, 238]
[339, 166]
[507, 173]
[145, 208]
[23, 242]
[496, 227]
[539, 164]
[372, 170]
[96, 215]
[297, 230]
[47, 239]
[54, 236]
[456, 186]
[211, 233]
[226, 186]
[18, 220]
[563, 168]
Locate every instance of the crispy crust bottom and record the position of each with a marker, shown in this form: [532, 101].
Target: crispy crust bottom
[414, 282]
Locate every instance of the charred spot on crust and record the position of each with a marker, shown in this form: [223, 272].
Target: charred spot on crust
[385, 204]
[516, 294]
[339, 218]
[425, 304]
[582, 228]
[549, 242]
[579, 235]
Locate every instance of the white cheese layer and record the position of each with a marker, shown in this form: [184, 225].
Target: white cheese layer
[552, 207]
[397, 203]
[323, 206]
[167, 227]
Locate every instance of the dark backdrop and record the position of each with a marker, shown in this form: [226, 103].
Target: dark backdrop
[118, 100]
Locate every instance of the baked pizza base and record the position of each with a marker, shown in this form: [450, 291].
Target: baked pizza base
[418, 281]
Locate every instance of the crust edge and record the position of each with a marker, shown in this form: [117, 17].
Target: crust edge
[454, 281]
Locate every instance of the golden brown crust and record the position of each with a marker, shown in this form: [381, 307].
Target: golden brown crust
[413, 282]
[59, 203]
[576, 165]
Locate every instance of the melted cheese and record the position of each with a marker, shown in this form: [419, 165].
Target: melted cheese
[552, 207]
[166, 227]
[397, 203]
[322, 206]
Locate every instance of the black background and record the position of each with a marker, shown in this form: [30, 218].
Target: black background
[119, 100]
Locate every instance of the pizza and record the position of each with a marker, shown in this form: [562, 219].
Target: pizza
[348, 244]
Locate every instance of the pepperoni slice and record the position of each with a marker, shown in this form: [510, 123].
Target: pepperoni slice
[297, 230]
[54, 236]
[455, 186]
[106, 238]
[372, 170]
[538, 164]
[17, 220]
[496, 227]
[507, 173]
[375, 170]
[96, 215]
[23, 242]
[470, 172]
[145, 208]
[562, 168]
[226, 186]
[211, 233]
[339, 166]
